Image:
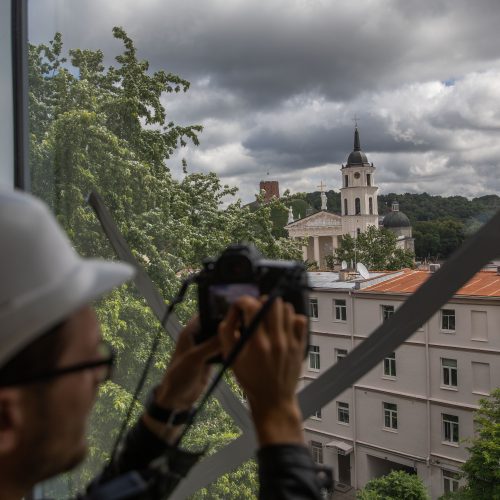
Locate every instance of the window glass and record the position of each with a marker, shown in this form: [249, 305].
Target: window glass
[317, 451]
[450, 372]
[317, 414]
[390, 416]
[340, 310]
[340, 354]
[390, 365]
[387, 312]
[343, 412]
[450, 481]
[314, 357]
[450, 428]
[313, 308]
[448, 319]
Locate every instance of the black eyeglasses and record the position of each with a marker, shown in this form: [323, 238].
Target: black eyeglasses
[102, 366]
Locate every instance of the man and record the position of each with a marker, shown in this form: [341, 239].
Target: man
[52, 360]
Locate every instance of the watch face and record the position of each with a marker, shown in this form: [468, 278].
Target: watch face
[357, 175]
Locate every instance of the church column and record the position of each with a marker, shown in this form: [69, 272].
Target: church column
[334, 244]
[316, 250]
[304, 252]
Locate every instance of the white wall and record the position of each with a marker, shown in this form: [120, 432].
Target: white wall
[6, 105]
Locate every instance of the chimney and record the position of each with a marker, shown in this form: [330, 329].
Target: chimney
[271, 189]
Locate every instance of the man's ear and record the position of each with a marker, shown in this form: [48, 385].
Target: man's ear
[11, 419]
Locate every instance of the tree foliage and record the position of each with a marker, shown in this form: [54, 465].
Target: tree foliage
[397, 485]
[482, 468]
[107, 129]
[375, 248]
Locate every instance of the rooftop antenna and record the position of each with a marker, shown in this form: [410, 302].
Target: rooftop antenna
[361, 268]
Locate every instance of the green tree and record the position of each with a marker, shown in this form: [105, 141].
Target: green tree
[397, 485]
[482, 468]
[107, 129]
[375, 248]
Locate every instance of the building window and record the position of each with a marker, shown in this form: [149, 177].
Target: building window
[346, 181]
[313, 308]
[342, 412]
[450, 481]
[370, 205]
[369, 180]
[317, 451]
[387, 312]
[314, 357]
[340, 310]
[450, 372]
[317, 414]
[450, 428]
[358, 231]
[390, 416]
[357, 206]
[345, 207]
[340, 354]
[448, 320]
[390, 365]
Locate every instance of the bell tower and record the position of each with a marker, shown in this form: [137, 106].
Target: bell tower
[358, 193]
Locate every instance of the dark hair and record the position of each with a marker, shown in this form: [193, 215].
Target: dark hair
[38, 357]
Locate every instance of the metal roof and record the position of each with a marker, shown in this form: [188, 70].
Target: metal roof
[483, 284]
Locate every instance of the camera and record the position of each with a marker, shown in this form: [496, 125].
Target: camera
[241, 270]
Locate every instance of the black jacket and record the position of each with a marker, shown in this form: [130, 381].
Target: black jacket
[285, 471]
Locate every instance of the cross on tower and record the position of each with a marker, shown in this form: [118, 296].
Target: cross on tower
[322, 187]
[355, 120]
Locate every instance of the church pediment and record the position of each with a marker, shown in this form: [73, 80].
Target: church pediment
[317, 220]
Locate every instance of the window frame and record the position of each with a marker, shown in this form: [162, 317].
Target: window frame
[345, 411]
[317, 415]
[449, 372]
[385, 309]
[389, 366]
[316, 448]
[448, 320]
[448, 429]
[339, 354]
[390, 415]
[338, 309]
[316, 302]
[452, 478]
[314, 354]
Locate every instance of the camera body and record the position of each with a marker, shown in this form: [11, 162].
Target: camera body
[241, 270]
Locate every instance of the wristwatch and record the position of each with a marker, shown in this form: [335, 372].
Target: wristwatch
[166, 415]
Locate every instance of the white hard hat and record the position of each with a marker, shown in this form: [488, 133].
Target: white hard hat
[42, 279]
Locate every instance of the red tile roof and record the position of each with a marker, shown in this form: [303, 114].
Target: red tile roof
[483, 284]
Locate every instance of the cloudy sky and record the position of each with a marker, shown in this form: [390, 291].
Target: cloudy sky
[276, 84]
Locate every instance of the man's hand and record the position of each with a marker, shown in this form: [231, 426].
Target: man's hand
[268, 366]
[186, 376]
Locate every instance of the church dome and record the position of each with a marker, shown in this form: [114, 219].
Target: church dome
[396, 218]
[357, 157]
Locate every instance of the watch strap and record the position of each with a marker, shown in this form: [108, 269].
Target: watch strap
[166, 415]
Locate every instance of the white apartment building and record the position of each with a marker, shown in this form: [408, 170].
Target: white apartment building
[414, 410]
